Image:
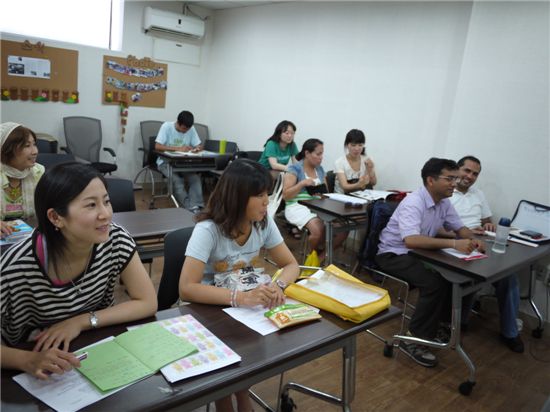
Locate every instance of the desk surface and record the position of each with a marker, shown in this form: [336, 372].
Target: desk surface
[262, 357]
[516, 257]
[334, 208]
[153, 223]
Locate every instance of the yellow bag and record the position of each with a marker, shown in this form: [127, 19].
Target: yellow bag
[311, 260]
[363, 302]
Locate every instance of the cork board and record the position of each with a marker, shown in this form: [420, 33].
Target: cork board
[134, 82]
[38, 72]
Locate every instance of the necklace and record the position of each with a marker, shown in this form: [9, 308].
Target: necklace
[78, 285]
[14, 191]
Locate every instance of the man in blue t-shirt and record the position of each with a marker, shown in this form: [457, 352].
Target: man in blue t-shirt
[181, 136]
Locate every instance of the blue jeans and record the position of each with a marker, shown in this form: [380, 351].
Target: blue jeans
[507, 293]
[189, 200]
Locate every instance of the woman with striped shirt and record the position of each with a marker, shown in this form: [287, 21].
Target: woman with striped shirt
[61, 280]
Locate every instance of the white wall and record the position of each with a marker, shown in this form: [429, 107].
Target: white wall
[421, 79]
[186, 91]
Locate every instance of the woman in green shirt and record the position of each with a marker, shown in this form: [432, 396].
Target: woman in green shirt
[280, 148]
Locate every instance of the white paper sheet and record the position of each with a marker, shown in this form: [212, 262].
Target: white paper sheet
[371, 195]
[339, 289]
[254, 318]
[68, 392]
[472, 256]
[345, 198]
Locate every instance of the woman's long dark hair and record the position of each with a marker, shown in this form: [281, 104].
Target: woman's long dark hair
[57, 188]
[280, 129]
[355, 136]
[242, 179]
[308, 146]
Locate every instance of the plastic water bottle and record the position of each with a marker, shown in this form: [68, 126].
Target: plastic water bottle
[501, 238]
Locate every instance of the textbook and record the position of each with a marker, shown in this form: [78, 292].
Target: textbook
[21, 230]
[132, 356]
[372, 195]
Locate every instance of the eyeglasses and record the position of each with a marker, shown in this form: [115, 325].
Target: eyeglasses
[451, 179]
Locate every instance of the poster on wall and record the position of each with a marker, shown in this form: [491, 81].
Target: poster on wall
[28, 67]
[134, 82]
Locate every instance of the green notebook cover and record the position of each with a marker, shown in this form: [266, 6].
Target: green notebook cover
[132, 356]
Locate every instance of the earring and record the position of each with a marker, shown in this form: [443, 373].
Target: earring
[56, 229]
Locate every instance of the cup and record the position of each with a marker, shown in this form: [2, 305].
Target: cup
[223, 144]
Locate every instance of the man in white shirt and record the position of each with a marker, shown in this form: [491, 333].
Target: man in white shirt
[181, 136]
[474, 211]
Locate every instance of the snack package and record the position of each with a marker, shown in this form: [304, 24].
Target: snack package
[242, 279]
[290, 314]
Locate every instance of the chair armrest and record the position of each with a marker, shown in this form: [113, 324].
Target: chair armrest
[111, 152]
[81, 160]
[65, 149]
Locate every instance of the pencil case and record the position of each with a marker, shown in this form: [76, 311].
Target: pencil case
[338, 292]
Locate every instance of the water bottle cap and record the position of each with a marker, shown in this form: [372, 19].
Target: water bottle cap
[504, 221]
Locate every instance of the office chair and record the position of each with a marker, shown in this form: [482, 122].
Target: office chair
[331, 180]
[202, 131]
[46, 143]
[175, 244]
[83, 137]
[121, 195]
[249, 154]
[49, 160]
[149, 130]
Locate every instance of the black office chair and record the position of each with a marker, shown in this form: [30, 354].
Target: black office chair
[149, 131]
[83, 136]
[49, 160]
[121, 194]
[175, 244]
[331, 181]
[46, 143]
[249, 154]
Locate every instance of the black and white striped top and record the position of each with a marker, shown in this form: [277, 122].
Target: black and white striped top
[29, 300]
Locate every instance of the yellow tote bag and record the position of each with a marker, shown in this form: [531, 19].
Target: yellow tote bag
[342, 294]
[311, 260]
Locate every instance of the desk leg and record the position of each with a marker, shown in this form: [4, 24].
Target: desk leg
[537, 333]
[465, 388]
[328, 232]
[348, 380]
[170, 181]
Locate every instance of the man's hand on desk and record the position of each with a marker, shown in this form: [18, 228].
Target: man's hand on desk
[469, 245]
[196, 149]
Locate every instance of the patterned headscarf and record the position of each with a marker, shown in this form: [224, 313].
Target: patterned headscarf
[27, 184]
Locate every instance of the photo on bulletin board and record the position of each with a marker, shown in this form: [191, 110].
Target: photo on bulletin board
[134, 82]
[39, 73]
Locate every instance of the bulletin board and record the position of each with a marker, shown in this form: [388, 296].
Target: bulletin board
[134, 82]
[38, 73]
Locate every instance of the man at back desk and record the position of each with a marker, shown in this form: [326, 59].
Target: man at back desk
[414, 225]
[181, 136]
[473, 209]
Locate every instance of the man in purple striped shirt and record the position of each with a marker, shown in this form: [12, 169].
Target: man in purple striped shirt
[416, 222]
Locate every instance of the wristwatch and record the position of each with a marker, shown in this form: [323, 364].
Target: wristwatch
[93, 320]
[281, 284]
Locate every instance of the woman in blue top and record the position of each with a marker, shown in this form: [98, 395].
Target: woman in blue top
[280, 148]
[307, 173]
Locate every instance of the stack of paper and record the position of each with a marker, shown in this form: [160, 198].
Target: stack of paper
[21, 230]
[372, 195]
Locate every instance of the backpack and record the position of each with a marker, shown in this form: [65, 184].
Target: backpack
[380, 213]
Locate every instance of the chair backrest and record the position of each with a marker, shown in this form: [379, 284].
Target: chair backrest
[49, 160]
[214, 146]
[202, 131]
[380, 213]
[149, 129]
[121, 194]
[175, 244]
[83, 137]
[331, 180]
[249, 154]
[46, 143]
[276, 196]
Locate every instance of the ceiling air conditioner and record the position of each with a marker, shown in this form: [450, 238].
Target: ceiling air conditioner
[160, 21]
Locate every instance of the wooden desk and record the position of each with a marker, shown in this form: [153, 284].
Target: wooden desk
[148, 227]
[330, 210]
[186, 163]
[470, 276]
[262, 358]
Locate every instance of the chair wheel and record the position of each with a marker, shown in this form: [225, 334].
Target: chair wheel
[537, 333]
[465, 388]
[287, 403]
[388, 350]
